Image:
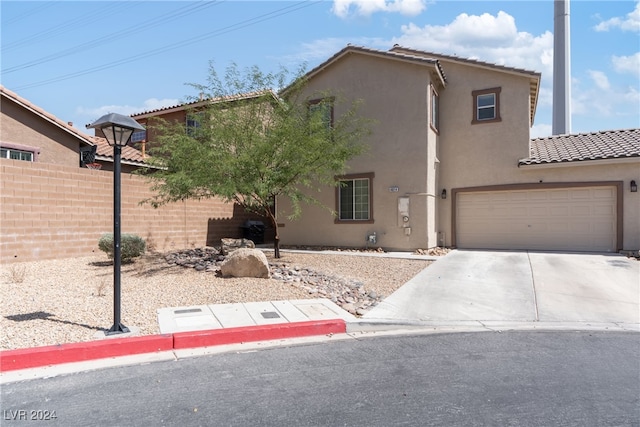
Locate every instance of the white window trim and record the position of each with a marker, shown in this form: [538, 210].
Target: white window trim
[35, 151]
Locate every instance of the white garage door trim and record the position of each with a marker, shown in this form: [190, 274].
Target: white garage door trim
[585, 216]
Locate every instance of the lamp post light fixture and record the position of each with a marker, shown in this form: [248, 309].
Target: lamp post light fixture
[117, 129]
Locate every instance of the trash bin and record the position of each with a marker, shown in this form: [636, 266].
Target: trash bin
[254, 230]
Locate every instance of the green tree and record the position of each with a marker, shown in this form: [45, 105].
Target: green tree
[249, 145]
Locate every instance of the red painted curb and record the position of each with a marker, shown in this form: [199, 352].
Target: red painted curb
[182, 340]
[12, 360]
[24, 358]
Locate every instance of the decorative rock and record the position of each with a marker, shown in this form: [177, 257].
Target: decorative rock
[350, 294]
[246, 262]
[230, 245]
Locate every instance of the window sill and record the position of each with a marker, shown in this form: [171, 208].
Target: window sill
[479, 122]
[353, 221]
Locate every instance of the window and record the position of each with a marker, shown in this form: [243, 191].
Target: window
[15, 154]
[139, 136]
[354, 198]
[486, 106]
[435, 110]
[324, 107]
[194, 122]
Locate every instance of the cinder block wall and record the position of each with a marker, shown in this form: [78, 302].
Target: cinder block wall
[51, 211]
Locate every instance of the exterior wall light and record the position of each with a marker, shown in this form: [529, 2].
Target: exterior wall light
[117, 129]
[634, 186]
[443, 195]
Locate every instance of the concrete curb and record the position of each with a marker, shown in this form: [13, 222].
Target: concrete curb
[12, 360]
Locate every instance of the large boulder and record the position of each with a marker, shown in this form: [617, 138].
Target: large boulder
[246, 262]
[229, 245]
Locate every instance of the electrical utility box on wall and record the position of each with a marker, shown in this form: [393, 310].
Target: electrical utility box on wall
[403, 212]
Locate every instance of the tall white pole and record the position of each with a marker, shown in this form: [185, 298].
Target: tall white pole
[561, 69]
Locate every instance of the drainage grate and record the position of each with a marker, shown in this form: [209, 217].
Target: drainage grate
[188, 310]
[270, 315]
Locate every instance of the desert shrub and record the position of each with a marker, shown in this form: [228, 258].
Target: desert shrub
[131, 246]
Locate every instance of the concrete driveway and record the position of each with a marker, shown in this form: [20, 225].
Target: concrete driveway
[519, 286]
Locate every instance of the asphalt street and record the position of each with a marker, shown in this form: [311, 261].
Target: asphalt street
[517, 378]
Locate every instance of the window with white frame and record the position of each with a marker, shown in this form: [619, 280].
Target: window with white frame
[486, 105]
[15, 154]
[354, 198]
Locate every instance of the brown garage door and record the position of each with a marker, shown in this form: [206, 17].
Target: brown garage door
[577, 219]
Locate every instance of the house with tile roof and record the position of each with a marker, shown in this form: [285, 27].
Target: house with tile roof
[451, 163]
[53, 206]
[32, 134]
[186, 113]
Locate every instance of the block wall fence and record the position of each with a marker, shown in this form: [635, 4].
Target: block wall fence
[50, 211]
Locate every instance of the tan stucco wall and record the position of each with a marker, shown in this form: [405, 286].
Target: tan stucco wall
[21, 127]
[404, 151]
[606, 171]
[486, 153]
[401, 154]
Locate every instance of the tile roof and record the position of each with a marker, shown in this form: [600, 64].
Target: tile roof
[349, 49]
[201, 102]
[129, 154]
[613, 144]
[104, 150]
[397, 48]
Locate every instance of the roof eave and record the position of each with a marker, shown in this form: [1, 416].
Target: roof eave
[371, 52]
[574, 163]
[35, 111]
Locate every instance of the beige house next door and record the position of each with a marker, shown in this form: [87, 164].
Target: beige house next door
[580, 218]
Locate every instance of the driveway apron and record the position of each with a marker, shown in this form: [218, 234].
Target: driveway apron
[519, 286]
[465, 285]
[586, 287]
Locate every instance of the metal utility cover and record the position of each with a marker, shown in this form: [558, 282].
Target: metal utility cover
[270, 315]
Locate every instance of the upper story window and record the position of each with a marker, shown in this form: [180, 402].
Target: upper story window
[194, 122]
[486, 105]
[354, 197]
[324, 108]
[18, 153]
[435, 110]
[139, 136]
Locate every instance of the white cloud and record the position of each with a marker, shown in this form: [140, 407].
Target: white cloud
[149, 104]
[541, 130]
[318, 51]
[604, 100]
[627, 64]
[631, 22]
[486, 37]
[600, 79]
[344, 8]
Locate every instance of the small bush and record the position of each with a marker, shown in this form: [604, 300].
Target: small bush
[131, 246]
[17, 274]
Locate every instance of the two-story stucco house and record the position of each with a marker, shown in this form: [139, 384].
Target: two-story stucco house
[451, 163]
[32, 134]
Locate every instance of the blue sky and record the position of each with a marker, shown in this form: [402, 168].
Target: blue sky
[82, 59]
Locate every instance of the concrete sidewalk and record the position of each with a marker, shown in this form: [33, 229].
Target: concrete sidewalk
[219, 316]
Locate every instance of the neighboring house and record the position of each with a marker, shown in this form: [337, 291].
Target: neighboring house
[186, 113]
[451, 163]
[53, 206]
[29, 133]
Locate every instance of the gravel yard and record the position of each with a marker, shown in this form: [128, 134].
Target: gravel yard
[61, 301]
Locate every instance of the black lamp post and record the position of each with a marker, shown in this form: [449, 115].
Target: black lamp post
[117, 129]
